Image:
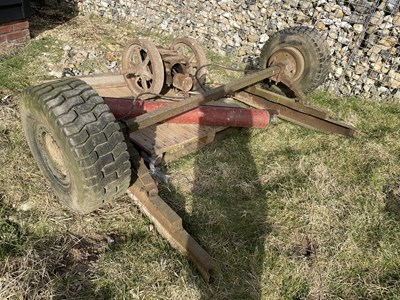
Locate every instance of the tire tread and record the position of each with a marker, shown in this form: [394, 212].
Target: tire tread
[317, 41]
[91, 131]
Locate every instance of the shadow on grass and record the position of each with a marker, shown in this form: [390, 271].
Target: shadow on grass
[74, 273]
[226, 213]
[12, 238]
[47, 15]
[56, 266]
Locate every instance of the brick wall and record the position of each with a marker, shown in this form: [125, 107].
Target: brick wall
[14, 32]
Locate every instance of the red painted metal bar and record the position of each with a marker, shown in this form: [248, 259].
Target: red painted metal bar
[204, 115]
[189, 103]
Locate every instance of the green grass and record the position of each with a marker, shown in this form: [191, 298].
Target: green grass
[12, 239]
[275, 188]
[27, 67]
[286, 212]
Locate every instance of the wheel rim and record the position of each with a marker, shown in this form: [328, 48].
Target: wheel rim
[195, 59]
[143, 68]
[292, 59]
[53, 157]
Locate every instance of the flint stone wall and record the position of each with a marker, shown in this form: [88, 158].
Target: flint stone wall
[363, 35]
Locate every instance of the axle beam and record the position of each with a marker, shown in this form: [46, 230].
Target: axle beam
[162, 114]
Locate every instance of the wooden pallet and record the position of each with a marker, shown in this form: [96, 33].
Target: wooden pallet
[170, 141]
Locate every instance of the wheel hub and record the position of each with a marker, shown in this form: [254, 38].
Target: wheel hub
[292, 59]
[55, 158]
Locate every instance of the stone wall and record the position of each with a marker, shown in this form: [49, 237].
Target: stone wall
[363, 35]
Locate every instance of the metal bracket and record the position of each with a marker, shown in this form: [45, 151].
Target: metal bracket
[301, 97]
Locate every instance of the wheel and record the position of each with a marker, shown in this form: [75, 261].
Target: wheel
[305, 54]
[142, 67]
[195, 59]
[76, 143]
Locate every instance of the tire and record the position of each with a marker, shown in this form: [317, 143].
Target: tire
[312, 47]
[76, 142]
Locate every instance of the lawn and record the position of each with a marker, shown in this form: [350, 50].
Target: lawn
[286, 212]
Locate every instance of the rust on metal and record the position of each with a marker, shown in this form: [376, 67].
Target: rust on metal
[282, 100]
[291, 84]
[293, 61]
[194, 57]
[305, 119]
[173, 64]
[142, 67]
[294, 67]
[184, 64]
[168, 223]
[182, 82]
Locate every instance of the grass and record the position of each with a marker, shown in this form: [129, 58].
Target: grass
[312, 208]
[16, 71]
[286, 212]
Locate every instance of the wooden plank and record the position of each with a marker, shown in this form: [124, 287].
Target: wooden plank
[108, 85]
[193, 146]
[173, 140]
[104, 80]
[163, 140]
[166, 137]
[114, 92]
[145, 139]
[188, 148]
[160, 138]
